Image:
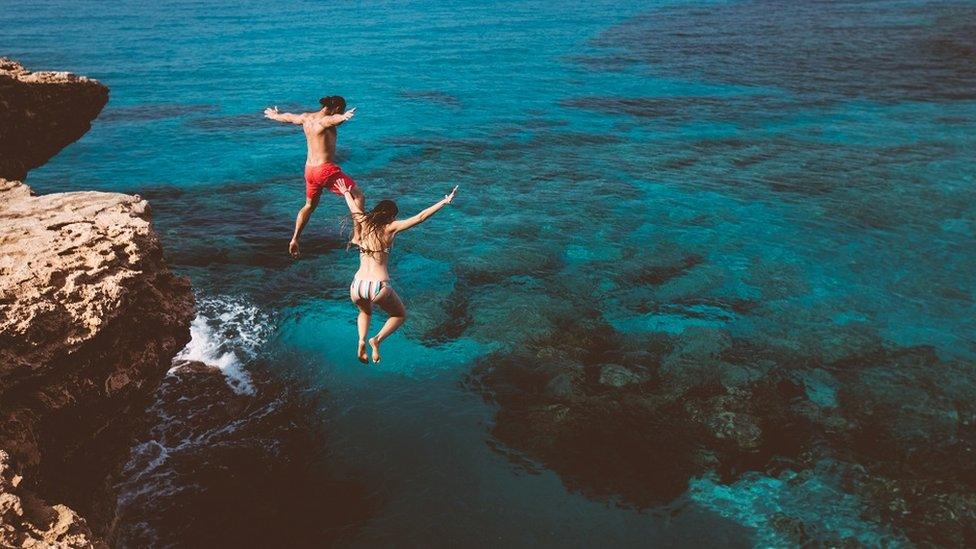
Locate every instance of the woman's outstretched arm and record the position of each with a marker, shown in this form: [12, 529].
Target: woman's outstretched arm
[354, 208]
[398, 226]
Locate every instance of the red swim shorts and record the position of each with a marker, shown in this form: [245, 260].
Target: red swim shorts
[322, 176]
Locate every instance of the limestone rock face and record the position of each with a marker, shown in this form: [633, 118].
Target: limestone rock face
[26, 521]
[41, 113]
[90, 317]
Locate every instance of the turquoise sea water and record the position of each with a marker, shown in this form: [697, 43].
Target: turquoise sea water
[795, 176]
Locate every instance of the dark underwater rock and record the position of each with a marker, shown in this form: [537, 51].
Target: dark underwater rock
[634, 418]
[615, 375]
[613, 424]
[221, 468]
[561, 386]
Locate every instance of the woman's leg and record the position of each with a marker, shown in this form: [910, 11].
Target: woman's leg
[362, 322]
[390, 302]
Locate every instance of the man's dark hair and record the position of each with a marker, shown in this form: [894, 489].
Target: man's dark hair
[334, 104]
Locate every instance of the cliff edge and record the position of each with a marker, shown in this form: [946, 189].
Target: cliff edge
[42, 113]
[90, 318]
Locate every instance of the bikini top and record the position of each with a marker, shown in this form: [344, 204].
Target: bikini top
[385, 250]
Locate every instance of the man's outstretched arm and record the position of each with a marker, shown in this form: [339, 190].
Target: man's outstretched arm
[287, 117]
[335, 119]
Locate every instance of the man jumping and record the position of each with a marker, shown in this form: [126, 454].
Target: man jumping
[320, 169]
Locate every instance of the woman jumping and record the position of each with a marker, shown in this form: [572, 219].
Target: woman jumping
[371, 286]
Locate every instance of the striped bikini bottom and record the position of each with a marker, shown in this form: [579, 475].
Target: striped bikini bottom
[367, 289]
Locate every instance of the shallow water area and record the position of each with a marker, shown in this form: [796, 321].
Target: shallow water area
[678, 225]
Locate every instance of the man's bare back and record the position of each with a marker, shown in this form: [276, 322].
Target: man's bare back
[321, 138]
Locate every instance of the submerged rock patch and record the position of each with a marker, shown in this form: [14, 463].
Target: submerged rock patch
[638, 428]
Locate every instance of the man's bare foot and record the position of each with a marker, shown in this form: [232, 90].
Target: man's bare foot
[375, 344]
[362, 352]
[293, 248]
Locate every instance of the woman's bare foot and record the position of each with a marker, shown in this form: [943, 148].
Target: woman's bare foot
[362, 352]
[375, 344]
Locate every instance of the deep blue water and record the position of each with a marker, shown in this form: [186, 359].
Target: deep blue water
[803, 173]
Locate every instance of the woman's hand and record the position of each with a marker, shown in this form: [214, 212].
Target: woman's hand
[448, 198]
[341, 186]
[271, 112]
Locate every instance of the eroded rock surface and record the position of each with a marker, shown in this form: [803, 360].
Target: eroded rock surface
[41, 113]
[27, 521]
[90, 317]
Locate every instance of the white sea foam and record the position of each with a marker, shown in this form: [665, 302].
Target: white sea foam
[227, 333]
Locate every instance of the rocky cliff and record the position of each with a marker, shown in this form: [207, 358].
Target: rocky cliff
[42, 113]
[90, 318]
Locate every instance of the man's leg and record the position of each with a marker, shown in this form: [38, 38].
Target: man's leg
[300, 222]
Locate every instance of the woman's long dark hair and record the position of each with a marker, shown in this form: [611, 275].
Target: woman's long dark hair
[374, 220]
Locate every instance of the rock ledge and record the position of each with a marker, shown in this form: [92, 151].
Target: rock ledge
[42, 113]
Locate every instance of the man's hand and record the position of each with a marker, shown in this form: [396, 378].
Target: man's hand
[271, 112]
[346, 116]
[448, 198]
